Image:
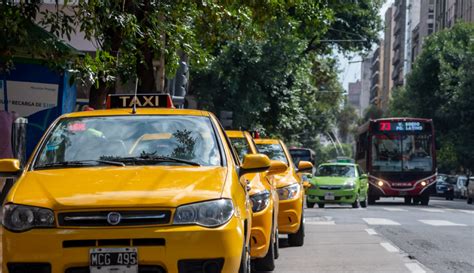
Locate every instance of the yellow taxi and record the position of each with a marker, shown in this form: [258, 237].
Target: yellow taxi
[130, 191]
[290, 189]
[264, 198]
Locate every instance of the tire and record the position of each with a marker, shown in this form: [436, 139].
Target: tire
[267, 263]
[355, 205]
[297, 239]
[321, 205]
[425, 200]
[371, 200]
[364, 203]
[408, 200]
[277, 245]
[469, 200]
[309, 205]
[245, 266]
[416, 200]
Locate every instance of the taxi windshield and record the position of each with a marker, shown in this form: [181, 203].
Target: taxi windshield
[336, 170]
[131, 140]
[273, 151]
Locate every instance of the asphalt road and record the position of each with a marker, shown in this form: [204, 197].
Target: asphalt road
[386, 237]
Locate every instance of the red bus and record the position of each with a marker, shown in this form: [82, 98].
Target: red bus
[399, 156]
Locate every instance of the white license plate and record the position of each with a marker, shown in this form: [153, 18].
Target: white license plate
[113, 260]
[329, 196]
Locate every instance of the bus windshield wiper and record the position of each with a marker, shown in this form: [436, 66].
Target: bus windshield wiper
[79, 163]
[152, 159]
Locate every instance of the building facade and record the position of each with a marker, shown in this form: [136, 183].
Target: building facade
[354, 95]
[365, 73]
[376, 76]
[399, 42]
[449, 12]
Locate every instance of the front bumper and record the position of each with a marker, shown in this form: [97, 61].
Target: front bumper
[261, 232]
[340, 196]
[289, 215]
[176, 244]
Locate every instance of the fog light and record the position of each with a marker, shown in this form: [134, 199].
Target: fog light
[380, 183]
[423, 183]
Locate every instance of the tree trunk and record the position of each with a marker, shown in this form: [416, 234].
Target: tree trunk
[145, 72]
[98, 96]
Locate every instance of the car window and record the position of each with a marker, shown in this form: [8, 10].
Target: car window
[336, 170]
[241, 146]
[273, 151]
[189, 138]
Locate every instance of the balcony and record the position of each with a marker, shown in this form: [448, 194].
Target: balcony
[396, 58]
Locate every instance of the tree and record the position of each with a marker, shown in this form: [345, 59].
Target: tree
[441, 87]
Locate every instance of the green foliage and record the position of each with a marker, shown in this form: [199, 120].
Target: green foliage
[346, 122]
[441, 87]
[329, 152]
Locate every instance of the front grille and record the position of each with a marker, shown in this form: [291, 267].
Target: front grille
[330, 187]
[141, 269]
[201, 266]
[114, 242]
[125, 218]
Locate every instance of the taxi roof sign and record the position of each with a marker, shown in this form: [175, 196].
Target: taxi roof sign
[139, 101]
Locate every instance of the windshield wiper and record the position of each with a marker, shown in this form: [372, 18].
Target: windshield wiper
[152, 159]
[79, 163]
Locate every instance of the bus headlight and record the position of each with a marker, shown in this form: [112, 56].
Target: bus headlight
[380, 183]
[288, 192]
[423, 183]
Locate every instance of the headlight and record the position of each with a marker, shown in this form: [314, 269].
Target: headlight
[22, 218]
[208, 214]
[260, 200]
[288, 192]
[348, 186]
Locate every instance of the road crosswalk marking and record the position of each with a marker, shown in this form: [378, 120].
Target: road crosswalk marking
[433, 210]
[389, 247]
[371, 231]
[440, 223]
[394, 209]
[380, 221]
[467, 211]
[414, 268]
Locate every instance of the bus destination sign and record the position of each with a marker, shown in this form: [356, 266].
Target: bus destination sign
[408, 126]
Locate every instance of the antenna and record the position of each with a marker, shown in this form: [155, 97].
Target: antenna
[134, 107]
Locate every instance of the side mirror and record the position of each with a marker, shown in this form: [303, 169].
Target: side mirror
[277, 167]
[363, 176]
[9, 167]
[305, 167]
[254, 163]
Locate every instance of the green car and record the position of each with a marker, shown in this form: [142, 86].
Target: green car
[338, 183]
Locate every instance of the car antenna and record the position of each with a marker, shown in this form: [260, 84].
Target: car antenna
[134, 106]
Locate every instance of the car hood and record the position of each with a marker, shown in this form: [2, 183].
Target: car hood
[113, 187]
[330, 180]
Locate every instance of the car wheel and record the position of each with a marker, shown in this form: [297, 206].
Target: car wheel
[364, 203]
[371, 200]
[297, 239]
[309, 205]
[355, 205]
[321, 205]
[469, 200]
[425, 199]
[245, 266]
[276, 245]
[267, 263]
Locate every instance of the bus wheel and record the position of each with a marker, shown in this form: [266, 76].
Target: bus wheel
[425, 199]
[469, 200]
[371, 200]
[416, 200]
[407, 200]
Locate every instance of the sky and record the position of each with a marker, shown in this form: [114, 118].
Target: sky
[349, 66]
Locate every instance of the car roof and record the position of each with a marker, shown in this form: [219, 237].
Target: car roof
[267, 141]
[139, 111]
[235, 133]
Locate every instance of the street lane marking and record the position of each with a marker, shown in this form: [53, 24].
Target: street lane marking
[371, 231]
[467, 211]
[380, 222]
[394, 209]
[440, 223]
[321, 223]
[432, 210]
[389, 247]
[415, 268]
[324, 220]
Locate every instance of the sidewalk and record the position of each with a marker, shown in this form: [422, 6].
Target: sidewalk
[343, 248]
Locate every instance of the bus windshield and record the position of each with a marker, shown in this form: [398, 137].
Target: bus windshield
[402, 152]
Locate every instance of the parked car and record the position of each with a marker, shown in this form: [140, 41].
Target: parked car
[470, 189]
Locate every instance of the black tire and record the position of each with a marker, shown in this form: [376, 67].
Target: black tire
[267, 263]
[297, 239]
[371, 200]
[416, 200]
[364, 203]
[245, 266]
[277, 244]
[355, 205]
[408, 200]
[469, 200]
[309, 205]
[425, 200]
[321, 205]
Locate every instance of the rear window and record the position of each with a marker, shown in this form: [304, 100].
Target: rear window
[273, 151]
